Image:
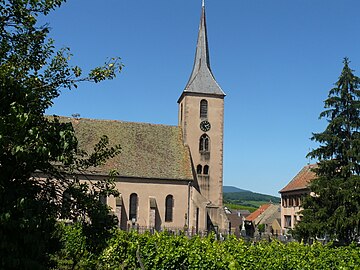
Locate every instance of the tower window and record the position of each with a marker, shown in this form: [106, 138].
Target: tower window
[203, 108]
[199, 169]
[204, 143]
[133, 206]
[206, 169]
[169, 204]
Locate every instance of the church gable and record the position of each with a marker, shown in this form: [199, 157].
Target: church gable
[147, 150]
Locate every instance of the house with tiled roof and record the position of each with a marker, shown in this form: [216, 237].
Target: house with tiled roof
[169, 176]
[292, 196]
[256, 215]
[266, 214]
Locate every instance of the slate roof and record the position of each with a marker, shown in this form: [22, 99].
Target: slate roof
[235, 219]
[301, 180]
[244, 213]
[147, 150]
[202, 79]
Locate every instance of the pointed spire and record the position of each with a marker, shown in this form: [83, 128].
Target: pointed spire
[202, 80]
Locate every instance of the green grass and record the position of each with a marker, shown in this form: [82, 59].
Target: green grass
[256, 204]
[240, 207]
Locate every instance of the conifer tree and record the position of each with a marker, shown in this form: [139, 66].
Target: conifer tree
[333, 207]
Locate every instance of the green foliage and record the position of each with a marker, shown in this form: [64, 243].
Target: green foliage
[39, 156]
[334, 209]
[165, 251]
[74, 247]
[261, 228]
[250, 196]
[247, 200]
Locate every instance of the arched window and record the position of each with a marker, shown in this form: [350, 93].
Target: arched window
[206, 169]
[133, 206]
[199, 169]
[103, 199]
[203, 108]
[66, 204]
[204, 143]
[169, 204]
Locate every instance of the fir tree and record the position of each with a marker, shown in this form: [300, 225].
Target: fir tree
[333, 207]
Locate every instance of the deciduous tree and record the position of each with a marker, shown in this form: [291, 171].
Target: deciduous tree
[32, 74]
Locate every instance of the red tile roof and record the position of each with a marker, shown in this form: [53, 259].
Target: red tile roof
[301, 180]
[258, 212]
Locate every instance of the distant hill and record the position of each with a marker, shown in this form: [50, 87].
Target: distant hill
[244, 199]
[230, 189]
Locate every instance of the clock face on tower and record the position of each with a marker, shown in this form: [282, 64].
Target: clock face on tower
[205, 126]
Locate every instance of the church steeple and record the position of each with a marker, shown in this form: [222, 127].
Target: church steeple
[201, 79]
[201, 118]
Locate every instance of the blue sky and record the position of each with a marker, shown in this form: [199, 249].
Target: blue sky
[275, 60]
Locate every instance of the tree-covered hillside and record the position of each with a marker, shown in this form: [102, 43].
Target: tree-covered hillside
[245, 199]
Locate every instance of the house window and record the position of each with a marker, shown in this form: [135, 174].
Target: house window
[199, 169]
[204, 143]
[169, 204]
[133, 206]
[291, 201]
[206, 169]
[302, 197]
[203, 108]
[287, 221]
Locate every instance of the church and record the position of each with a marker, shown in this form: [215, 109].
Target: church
[170, 177]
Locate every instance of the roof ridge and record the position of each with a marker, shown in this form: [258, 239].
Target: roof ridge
[305, 169]
[148, 151]
[114, 120]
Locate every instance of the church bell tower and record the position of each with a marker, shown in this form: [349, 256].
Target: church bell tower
[201, 117]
